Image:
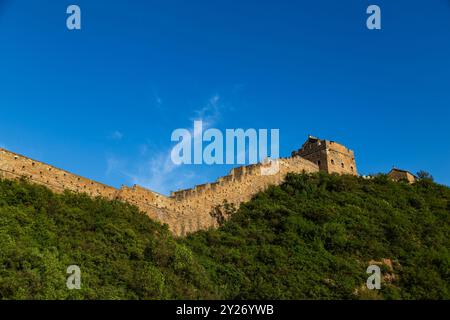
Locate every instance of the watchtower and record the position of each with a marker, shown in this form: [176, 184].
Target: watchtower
[330, 156]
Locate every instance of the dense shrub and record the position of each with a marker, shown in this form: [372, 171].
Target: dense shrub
[122, 254]
[313, 237]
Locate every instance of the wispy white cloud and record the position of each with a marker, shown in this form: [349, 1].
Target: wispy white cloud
[113, 165]
[157, 173]
[158, 102]
[156, 170]
[143, 150]
[116, 135]
[210, 113]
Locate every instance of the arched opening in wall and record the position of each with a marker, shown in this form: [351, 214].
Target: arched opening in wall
[33, 164]
[342, 165]
[318, 162]
[351, 168]
[332, 161]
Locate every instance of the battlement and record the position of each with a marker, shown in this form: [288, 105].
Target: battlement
[189, 210]
[236, 175]
[330, 156]
[13, 165]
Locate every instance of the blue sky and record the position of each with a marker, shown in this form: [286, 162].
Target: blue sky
[102, 102]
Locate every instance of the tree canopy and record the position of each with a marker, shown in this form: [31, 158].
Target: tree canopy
[312, 237]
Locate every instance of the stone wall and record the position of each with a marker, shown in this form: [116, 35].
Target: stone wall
[238, 186]
[398, 174]
[330, 156]
[14, 166]
[185, 211]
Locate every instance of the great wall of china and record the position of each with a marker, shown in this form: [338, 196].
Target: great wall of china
[189, 210]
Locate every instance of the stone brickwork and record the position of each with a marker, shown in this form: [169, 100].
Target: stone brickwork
[188, 210]
[399, 174]
[14, 166]
[330, 156]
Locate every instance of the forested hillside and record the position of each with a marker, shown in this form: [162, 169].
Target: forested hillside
[313, 237]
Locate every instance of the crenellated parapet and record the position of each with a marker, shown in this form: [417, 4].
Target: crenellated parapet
[188, 210]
